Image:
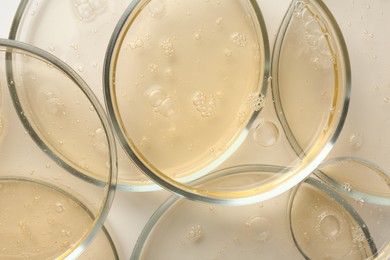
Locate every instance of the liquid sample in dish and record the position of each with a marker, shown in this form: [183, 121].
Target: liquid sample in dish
[187, 79]
[38, 221]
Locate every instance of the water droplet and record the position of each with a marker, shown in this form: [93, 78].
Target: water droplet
[356, 141]
[259, 228]
[99, 141]
[329, 225]
[168, 107]
[266, 134]
[156, 8]
[59, 207]
[195, 234]
[238, 39]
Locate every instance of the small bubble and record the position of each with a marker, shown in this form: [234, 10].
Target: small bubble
[65, 232]
[156, 95]
[54, 104]
[357, 235]
[153, 68]
[169, 73]
[386, 100]
[197, 36]
[329, 225]
[59, 207]
[219, 21]
[259, 228]
[169, 107]
[238, 39]
[99, 140]
[228, 52]
[156, 8]
[211, 208]
[266, 134]
[346, 186]
[255, 102]
[80, 68]
[195, 234]
[167, 46]
[52, 48]
[48, 166]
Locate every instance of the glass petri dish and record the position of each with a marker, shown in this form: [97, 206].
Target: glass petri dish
[319, 219]
[48, 209]
[80, 39]
[104, 247]
[186, 89]
[342, 214]
[182, 228]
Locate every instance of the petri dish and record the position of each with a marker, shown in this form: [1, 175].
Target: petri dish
[103, 247]
[318, 219]
[48, 209]
[186, 90]
[342, 214]
[182, 228]
[80, 40]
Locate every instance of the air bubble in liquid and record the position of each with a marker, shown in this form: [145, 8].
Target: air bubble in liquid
[195, 234]
[99, 140]
[329, 225]
[169, 107]
[59, 207]
[238, 39]
[356, 141]
[205, 105]
[259, 228]
[255, 102]
[54, 104]
[156, 96]
[266, 134]
[167, 46]
[156, 8]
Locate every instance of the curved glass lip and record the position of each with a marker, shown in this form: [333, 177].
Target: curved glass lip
[357, 195]
[325, 188]
[314, 181]
[110, 185]
[73, 198]
[160, 178]
[346, 79]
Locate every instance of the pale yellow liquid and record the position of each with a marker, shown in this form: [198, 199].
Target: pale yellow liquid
[39, 222]
[187, 80]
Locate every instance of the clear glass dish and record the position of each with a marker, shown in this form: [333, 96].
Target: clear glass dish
[319, 219]
[186, 87]
[80, 40]
[49, 209]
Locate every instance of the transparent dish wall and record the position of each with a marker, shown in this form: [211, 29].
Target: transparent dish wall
[48, 208]
[189, 97]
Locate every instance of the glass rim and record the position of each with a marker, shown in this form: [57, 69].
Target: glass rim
[160, 178]
[9, 46]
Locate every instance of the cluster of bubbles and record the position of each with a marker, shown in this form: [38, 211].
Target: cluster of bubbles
[206, 106]
[317, 36]
[87, 10]
[195, 233]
